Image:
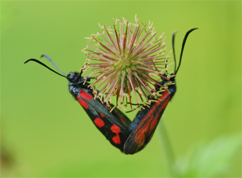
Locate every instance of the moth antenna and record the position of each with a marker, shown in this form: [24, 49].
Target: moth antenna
[183, 45]
[47, 57]
[173, 48]
[35, 60]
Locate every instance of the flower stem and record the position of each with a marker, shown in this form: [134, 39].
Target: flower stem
[168, 148]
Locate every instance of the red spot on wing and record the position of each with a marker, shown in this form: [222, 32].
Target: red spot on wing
[85, 95]
[116, 139]
[102, 115]
[115, 129]
[82, 102]
[99, 122]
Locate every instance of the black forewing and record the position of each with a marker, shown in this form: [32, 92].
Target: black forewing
[98, 110]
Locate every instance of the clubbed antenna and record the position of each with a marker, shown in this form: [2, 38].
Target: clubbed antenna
[35, 60]
[183, 45]
[47, 57]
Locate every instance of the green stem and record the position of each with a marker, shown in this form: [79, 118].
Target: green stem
[168, 148]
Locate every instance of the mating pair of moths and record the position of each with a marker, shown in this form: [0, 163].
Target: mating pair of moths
[128, 136]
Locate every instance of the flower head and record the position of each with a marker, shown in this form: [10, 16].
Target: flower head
[126, 58]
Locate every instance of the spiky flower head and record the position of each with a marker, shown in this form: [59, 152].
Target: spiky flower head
[126, 58]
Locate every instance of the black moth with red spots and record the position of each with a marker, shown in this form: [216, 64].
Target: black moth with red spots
[128, 136]
[110, 126]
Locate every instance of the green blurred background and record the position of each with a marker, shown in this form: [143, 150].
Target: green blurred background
[46, 133]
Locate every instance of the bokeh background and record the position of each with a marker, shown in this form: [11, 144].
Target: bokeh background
[46, 133]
